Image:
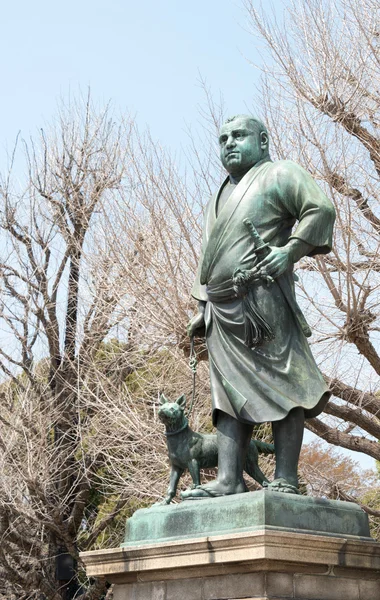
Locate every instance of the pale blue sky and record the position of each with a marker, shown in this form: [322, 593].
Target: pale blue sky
[146, 56]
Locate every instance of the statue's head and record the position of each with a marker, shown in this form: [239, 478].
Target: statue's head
[244, 141]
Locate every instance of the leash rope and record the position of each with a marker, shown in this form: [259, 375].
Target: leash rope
[193, 363]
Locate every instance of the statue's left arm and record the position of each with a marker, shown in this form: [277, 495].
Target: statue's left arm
[303, 199]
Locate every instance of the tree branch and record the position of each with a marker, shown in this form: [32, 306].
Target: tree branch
[345, 440]
[355, 396]
[354, 415]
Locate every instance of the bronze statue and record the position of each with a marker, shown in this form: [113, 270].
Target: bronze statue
[261, 366]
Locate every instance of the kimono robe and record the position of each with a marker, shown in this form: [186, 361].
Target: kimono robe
[265, 382]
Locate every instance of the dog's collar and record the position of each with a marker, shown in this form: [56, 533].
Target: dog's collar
[167, 433]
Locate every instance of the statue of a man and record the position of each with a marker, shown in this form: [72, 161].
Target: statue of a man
[261, 366]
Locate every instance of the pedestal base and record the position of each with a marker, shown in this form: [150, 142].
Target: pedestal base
[252, 550]
[265, 565]
[254, 511]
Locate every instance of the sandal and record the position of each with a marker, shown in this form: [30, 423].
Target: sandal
[281, 485]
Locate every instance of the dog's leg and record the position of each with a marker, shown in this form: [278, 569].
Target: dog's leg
[175, 475]
[194, 472]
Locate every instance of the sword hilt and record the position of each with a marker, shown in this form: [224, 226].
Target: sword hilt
[260, 246]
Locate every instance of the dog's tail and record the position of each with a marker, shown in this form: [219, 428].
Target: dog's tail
[263, 447]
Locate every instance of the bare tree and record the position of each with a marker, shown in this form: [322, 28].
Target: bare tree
[320, 96]
[326, 472]
[61, 297]
[101, 243]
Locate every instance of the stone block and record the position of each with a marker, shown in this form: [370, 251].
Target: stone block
[141, 591]
[279, 585]
[369, 589]
[244, 585]
[184, 589]
[158, 592]
[123, 591]
[320, 587]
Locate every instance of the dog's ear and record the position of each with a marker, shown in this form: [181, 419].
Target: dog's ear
[181, 400]
[162, 400]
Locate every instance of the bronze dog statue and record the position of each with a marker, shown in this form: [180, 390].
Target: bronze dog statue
[195, 451]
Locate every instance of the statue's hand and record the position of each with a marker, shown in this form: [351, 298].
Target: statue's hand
[197, 322]
[274, 264]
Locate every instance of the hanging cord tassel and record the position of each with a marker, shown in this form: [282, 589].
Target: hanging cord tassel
[193, 363]
[256, 329]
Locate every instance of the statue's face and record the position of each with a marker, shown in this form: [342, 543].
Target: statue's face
[241, 146]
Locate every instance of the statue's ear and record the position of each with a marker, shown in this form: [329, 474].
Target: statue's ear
[264, 140]
[181, 401]
[163, 400]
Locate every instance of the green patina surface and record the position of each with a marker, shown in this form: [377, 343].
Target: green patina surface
[245, 512]
[263, 219]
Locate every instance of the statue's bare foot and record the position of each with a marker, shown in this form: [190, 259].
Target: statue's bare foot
[281, 485]
[215, 489]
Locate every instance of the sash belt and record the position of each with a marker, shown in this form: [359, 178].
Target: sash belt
[256, 329]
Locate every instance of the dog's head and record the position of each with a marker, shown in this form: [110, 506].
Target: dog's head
[172, 413]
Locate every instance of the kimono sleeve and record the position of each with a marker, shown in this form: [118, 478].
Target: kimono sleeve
[305, 201]
[198, 290]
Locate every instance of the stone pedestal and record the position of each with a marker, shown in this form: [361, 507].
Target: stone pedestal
[259, 559]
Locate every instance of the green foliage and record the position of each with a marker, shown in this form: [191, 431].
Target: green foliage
[263, 432]
[113, 533]
[207, 426]
[371, 499]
